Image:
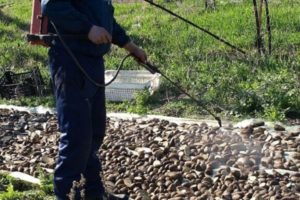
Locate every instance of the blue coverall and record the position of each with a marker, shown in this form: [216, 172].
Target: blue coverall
[80, 104]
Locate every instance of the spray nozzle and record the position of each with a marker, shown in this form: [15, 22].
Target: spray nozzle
[151, 68]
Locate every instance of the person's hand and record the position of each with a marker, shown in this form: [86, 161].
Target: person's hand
[99, 35]
[136, 52]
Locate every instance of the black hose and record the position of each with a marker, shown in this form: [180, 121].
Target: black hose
[81, 67]
[196, 26]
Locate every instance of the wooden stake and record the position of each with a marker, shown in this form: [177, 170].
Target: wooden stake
[268, 26]
[258, 40]
[260, 25]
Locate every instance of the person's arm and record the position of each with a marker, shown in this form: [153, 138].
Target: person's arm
[65, 16]
[120, 38]
[136, 51]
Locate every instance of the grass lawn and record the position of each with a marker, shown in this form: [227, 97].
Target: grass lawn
[228, 82]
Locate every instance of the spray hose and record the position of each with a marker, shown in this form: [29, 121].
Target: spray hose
[147, 65]
[81, 67]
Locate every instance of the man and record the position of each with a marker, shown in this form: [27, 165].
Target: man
[80, 104]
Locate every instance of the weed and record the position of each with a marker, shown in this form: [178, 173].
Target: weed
[78, 186]
[15, 189]
[4, 182]
[140, 103]
[46, 183]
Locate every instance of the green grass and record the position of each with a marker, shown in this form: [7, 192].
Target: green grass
[15, 53]
[226, 81]
[15, 189]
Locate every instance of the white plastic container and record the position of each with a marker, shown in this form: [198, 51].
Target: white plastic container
[128, 83]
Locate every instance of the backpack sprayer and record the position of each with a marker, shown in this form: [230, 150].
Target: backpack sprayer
[39, 36]
[38, 26]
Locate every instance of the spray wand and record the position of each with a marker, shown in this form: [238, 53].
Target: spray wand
[153, 69]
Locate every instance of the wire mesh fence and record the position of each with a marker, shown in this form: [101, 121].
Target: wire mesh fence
[30, 83]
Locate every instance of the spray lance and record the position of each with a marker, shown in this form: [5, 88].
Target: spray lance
[39, 35]
[153, 69]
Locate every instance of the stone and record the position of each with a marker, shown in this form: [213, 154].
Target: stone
[157, 159]
[249, 123]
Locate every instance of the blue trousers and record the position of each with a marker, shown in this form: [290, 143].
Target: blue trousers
[81, 118]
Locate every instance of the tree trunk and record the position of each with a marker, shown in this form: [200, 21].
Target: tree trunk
[258, 29]
[210, 4]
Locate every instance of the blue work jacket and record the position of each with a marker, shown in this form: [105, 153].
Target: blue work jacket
[77, 17]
